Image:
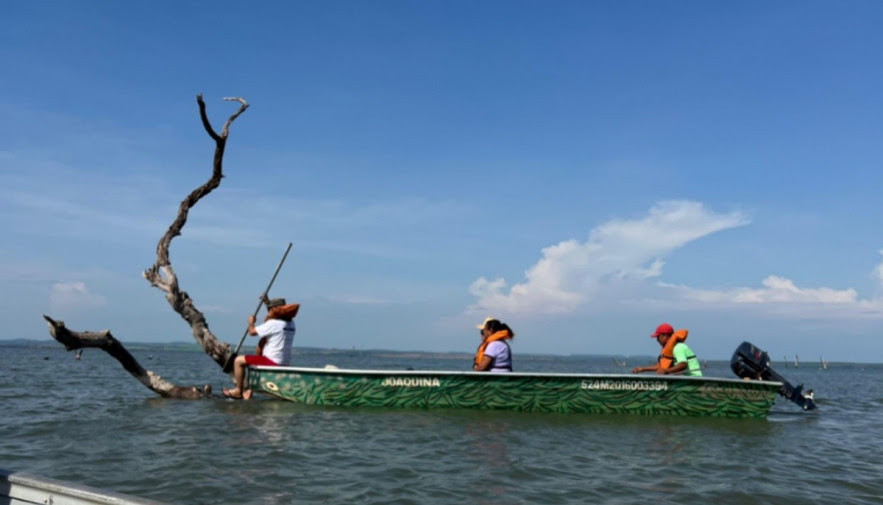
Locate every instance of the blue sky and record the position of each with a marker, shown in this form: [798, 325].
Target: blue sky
[581, 170]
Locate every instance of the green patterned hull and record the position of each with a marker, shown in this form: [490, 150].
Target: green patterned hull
[523, 392]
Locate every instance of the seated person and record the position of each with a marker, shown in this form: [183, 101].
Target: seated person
[274, 346]
[676, 357]
[494, 354]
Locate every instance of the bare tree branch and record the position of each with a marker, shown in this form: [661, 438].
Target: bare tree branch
[243, 106]
[162, 276]
[103, 340]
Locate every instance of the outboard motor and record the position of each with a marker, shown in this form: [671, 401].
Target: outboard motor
[749, 362]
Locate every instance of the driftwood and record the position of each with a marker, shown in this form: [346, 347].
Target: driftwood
[73, 340]
[163, 277]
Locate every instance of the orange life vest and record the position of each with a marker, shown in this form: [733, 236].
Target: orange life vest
[667, 357]
[500, 335]
[283, 312]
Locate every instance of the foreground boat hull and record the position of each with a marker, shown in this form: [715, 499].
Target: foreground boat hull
[17, 488]
[523, 392]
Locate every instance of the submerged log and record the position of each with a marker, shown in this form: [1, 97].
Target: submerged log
[77, 340]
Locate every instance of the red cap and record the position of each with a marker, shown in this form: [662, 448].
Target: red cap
[661, 329]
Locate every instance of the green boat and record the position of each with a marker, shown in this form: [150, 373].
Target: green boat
[523, 392]
[750, 396]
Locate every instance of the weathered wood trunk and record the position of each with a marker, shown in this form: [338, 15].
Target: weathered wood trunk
[162, 276]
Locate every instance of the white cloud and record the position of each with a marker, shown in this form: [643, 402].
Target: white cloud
[621, 256]
[779, 295]
[65, 296]
[775, 290]
[571, 271]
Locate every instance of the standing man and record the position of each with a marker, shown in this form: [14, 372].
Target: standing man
[683, 360]
[277, 334]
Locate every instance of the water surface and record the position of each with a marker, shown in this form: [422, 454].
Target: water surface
[89, 422]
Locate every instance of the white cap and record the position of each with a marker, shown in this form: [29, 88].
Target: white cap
[482, 325]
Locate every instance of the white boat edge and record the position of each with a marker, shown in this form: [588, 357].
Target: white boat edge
[332, 370]
[20, 488]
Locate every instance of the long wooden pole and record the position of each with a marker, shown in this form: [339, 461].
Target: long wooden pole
[263, 297]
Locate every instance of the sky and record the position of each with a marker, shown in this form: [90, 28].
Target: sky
[580, 170]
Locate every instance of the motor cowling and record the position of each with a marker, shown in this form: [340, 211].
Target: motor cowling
[750, 362]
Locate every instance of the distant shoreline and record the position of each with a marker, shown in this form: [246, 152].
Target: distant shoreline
[194, 347]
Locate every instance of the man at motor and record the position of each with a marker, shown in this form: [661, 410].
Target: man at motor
[676, 356]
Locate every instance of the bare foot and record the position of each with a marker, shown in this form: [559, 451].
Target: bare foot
[246, 395]
[234, 393]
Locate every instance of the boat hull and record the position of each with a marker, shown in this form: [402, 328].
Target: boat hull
[17, 488]
[523, 392]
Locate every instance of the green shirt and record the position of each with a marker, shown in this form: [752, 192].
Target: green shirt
[683, 353]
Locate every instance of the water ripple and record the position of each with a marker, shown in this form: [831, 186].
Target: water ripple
[86, 421]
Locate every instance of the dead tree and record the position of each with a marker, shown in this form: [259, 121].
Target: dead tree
[106, 342]
[163, 277]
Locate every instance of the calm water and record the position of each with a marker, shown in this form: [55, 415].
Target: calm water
[89, 422]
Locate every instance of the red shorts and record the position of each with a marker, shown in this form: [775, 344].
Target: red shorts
[251, 359]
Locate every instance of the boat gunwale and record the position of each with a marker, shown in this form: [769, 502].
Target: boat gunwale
[491, 375]
[26, 488]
